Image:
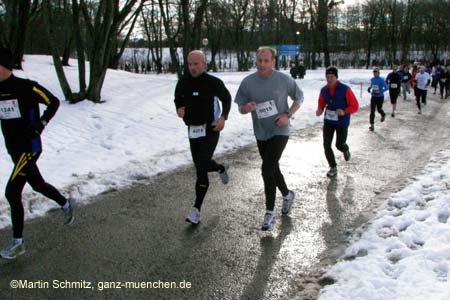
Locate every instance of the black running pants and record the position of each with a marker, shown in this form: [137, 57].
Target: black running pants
[341, 141]
[25, 170]
[376, 102]
[271, 151]
[202, 150]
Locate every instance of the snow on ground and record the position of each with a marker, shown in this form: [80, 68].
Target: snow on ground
[91, 148]
[405, 252]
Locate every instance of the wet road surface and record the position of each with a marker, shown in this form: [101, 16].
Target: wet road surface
[139, 235]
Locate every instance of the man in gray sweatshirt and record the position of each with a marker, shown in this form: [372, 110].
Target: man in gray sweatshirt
[265, 95]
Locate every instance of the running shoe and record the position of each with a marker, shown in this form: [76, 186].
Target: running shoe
[332, 172]
[371, 128]
[287, 203]
[224, 176]
[13, 250]
[347, 155]
[383, 117]
[68, 214]
[194, 216]
[269, 220]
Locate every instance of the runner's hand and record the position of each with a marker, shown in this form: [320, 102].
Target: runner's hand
[282, 120]
[249, 107]
[340, 112]
[319, 112]
[35, 129]
[180, 112]
[219, 124]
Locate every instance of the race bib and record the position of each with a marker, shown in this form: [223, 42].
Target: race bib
[405, 78]
[375, 88]
[196, 132]
[331, 115]
[9, 109]
[442, 79]
[394, 85]
[266, 109]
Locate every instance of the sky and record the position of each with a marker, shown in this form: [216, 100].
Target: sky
[91, 148]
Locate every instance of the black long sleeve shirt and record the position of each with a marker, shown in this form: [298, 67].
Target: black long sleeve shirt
[19, 109]
[199, 96]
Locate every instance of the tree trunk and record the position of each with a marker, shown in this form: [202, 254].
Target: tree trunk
[54, 50]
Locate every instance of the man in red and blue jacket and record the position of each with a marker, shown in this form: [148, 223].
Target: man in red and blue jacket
[338, 102]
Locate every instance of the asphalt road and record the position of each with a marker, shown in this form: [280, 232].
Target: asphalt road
[138, 235]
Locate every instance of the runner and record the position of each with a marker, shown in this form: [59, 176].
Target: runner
[197, 97]
[22, 125]
[440, 80]
[393, 80]
[377, 88]
[406, 84]
[422, 80]
[340, 102]
[265, 94]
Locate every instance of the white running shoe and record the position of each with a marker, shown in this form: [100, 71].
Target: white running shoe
[287, 203]
[224, 175]
[194, 216]
[13, 250]
[269, 220]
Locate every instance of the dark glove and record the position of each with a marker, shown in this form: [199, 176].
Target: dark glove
[35, 129]
[368, 90]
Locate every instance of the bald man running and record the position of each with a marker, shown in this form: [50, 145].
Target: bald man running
[197, 97]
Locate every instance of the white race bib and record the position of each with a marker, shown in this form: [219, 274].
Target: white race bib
[442, 79]
[394, 85]
[266, 109]
[375, 88]
[9, 109]
[405, 77]
[196, 132]
[331, 115]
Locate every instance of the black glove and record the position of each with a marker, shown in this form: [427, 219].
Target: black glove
[35, 129]
[368, 90]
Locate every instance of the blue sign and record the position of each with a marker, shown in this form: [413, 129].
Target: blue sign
[288, 50]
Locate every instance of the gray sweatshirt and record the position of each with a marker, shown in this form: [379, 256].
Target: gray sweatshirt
[270, 95]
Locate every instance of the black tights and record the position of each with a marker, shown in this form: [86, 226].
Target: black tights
[25, 170]
[271, 151]
[202, 150]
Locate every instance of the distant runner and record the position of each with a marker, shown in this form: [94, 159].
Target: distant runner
[377, 88]
[339, 102]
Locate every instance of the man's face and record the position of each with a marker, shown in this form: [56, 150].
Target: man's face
[4, 73]
[265, 63]
[331, 79]
[196, 64]
[376, 73]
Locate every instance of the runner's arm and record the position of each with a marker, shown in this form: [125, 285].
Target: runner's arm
[352, 102]
[42, 95]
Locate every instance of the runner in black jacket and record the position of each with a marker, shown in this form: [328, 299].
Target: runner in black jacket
[197, 97]
[22, 125]
[394, 81]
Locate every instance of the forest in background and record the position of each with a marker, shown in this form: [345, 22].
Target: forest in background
[384, 32]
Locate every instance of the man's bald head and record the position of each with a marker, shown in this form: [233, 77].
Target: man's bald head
[196, 63]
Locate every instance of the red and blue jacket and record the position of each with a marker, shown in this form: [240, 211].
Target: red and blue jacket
[340, 97]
